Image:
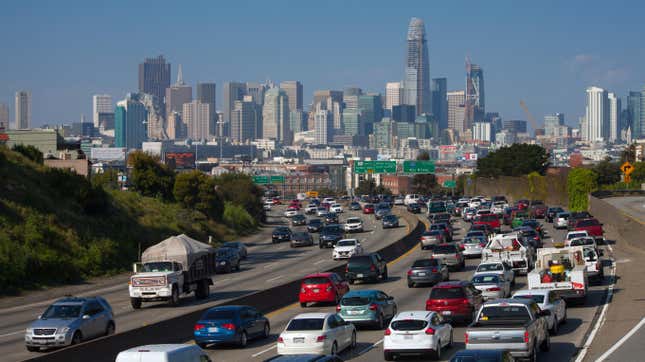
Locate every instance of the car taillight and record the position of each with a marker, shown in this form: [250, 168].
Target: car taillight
[373, 307]
[199, 326]
[598, 266]
[280, 340]
[428, 304]
[482, 245]
[429, 330]
[526, 336]
[229, 326]
[435, 270]
[410, 272]
[372, 267]
[462, 247]
[346, 268]
[494, 289]
[338, 308]
[321, 338]
[387, 332]
[465, 301]
[466, 338]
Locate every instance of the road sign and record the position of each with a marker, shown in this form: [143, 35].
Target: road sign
[375, 167]
[450, 184]
[627, 168]
[418, 166]
[276, 179]
[261, 180]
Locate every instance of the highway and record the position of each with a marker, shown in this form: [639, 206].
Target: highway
[564, 345]
[267, 265]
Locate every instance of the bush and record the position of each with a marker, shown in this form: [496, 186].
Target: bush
[30, 152]
[238, 219]
[149, 177]
[515, 160]
[580, 183]
[240, 190]
[195, 190]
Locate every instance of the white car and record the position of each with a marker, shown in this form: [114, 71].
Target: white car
[561, 220]
[290, 213]
[321, 211]
[336, 208]
[267, 206]
[549, 300]
[492, 285]
[574, 235]
[498, 267]
[353, 224]
[163, 352]
[329, 200]
[399, 200]
[316, 333]
[498, 207]
[411, 199]
[345, 248]
[582, 241]
[474, 202]
[419, 332]
[595, 269]
[311, 209]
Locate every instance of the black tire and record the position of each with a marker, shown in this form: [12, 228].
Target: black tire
[238, 266]
[109, 330]
[384, 276]
[229, 269]
[334, 349]
[174, 298]
[449, 345]
[266, 332]
[77, 338]
[202, 345]
[388, 356]
[135, 303]
[350, 281]
[352, 344]
[33, 349]
[436, 354]
[320, 245]
[380, 322]
[546, 344]
[564, 319]
[534, 353]
[244, 340]
[303, 305]
[554, 330]
[411, 285]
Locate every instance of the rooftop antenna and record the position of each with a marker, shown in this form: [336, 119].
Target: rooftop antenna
[180, 77]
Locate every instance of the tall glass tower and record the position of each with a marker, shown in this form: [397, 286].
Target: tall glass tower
[417, 69]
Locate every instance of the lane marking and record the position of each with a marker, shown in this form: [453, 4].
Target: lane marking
[404, 255]
[222, 280]
[320, 261]
[282, 310]
[274, 278]
[264, 351]
[369, 348]
[11, 334]
[622, 341]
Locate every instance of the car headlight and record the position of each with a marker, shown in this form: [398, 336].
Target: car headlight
[222, 263]
[63, 330]
[29, 331]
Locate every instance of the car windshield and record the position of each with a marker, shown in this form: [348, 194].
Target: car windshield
[389, 218]
[223, 252]
[563, 215]
[355, 300]
[485, 279]
[315, 221]
[473, 240]
[219, 314]
[408, 325]
[534, 297]
[306, 324]
[447, 293]
[233, 245]
[348, 242]
[422, 263]
[301, 235]
[331, 229]
[281, 230]
[360, 260]
[582, 241]
[353, 220]
[576, 235]
[488, 218]
[475, 234]
[62, 311]
[163, 266]
[315, 281]
[444, 249]
[490, 267]
[503, 314]
[591, 222]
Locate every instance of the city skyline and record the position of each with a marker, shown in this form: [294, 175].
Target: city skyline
[585, 58]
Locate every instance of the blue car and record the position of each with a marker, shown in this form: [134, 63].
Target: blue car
[372, 307]
[474, 355]
[235, 324]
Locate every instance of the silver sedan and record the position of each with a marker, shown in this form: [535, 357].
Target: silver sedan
[492, 286]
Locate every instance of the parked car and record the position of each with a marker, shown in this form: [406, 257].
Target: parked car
[317, 333]
[322, 287]
[329, 236]
[367, 267]
[547, 300]
[492, 285]
[483, 355]
[301, 238]
[347, 248]
[431, 238]
[298, 220]
[70, 320]
[353, 225]
[455, 301]
[390, 221]
[427, 271]
[163, 352]
[417, 332]
[354, 206]
[236, 324]
[227, 260]
[367, 307]
[368, 209]
[281, 233]
[449, 254]
[239, 246]
[314, 225]
[414, 208]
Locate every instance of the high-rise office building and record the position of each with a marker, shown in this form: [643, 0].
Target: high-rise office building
[384, 132]
[596, 115]
[154, 78]
[456, 101]
[642, 113]
[403, 113]
[233, 91]
[178, 94]
[417, 69]
[244, 120]
[197, 117]
[206, 93]
[275, 116]
[22, 110]
[475, 101]
[321, 96]
[296, 121]
[615, 111]
[323, 127]
[175, 127]
[483, 131]
[393, 94]
[439, 88]
[130, 117]
[514, 125]
[332, 101]
[101, 103]
[4, 116]
[371, 110]
[352, 124]
[634, 100]
[552, 122]
[293, 88]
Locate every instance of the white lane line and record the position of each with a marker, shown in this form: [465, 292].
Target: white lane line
[222, 280]
[369, 348]
[271, 265]
[274, 278]
[264, 351]
[320, 261]
[12, 333]
[621, 341]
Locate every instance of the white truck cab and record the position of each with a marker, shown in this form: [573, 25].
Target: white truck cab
[164, 353]
[507, 248]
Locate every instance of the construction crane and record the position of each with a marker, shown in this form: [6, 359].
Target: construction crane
[534, 124]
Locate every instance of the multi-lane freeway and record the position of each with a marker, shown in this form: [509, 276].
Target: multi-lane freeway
[267, 265]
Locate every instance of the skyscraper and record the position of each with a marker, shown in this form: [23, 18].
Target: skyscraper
[4, 116]
[439, 89]
[596, 115]
[275, 116]
[332, 101]
[154, 78]
[101, 103]
[197, 117]
[456, 101]
[324, 127]
[483, 131]
[130, 122]
[417, 69]
[243, 120]
[475, 101]
[178, 94]
[233, 91]
[371, 110]
[552, 122]
[393, 95]
[206, 93]
[614, 117]
[293, 88]
[634, 112]
[23, 110]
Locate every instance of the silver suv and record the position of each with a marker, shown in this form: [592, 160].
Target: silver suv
[70, 321]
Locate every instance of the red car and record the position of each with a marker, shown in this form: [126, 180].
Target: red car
[455, 301]
[276, 201]
[322, 287]
[538, 209]
[522, 204]
[296, 203]
[591, 226]
[492, 220]
[368, 209]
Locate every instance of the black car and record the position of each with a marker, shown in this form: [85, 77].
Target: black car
[315, 225]
[301, 238]
[236, 245]
[281, 233]
[390, 221]
[414, 208]
[551, 213]
[354, 206]
[329, 236]
[299, 220]
[366, 267]
[488, 355]
[227, 260]
[535, 225]
[331, 218]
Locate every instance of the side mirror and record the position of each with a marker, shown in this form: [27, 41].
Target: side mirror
[390, 298]
[136, 267]
[40, 316]
[86, 316]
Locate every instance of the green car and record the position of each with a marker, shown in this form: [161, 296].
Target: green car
[519, 218]
[367, 307]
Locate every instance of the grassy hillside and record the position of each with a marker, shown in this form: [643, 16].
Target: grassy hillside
[56, 228]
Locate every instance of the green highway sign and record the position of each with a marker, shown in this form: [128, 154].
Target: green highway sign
[418, 166]
[450, 184]
[375, 167]
[277, 179]
[261, 180]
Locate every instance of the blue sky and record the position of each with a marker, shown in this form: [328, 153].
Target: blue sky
[544, 52]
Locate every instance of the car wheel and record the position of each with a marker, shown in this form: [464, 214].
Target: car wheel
[546, 344]
[135, 303]
[174, 298]
[33, 349]
[320, 245]
[534, 354]
[243, 339]
[77, 338]
[380, 322]
[229, 269]
[238, 266]
[303, 305]
[555, 328]
[388, 356]
[334, 349]
[449, 345]
[202, 345]
[353, 342]
[350, 281]
[385, 274]
[564, 319]
[410, 284]
[436, 355]
[109, 330]
[267, 330]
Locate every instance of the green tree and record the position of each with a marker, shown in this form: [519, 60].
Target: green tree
[424, 184]
[30, 152]
[239, 189]
[149, 177]
[369, 187]
[108, 179]
[237, 218]
[639, 172]
[515, 160]
[608, 172]
[580, 183]
[195, 190]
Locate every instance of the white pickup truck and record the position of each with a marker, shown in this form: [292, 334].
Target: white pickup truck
[507, 248]
[563, 270]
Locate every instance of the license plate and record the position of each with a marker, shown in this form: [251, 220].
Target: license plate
[351, 312]
[446, 312]
[422, 274]
[213, 330]
[299, 340]
[316, 290]
[359, 275]
[407, 336]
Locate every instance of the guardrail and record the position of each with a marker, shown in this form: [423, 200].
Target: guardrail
[179, 329]
[617, 193]
[629, 228]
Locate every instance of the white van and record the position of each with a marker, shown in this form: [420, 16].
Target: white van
[411, 199]
[164, 353]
